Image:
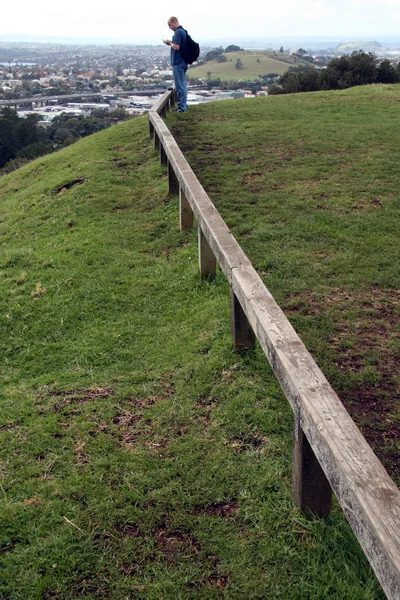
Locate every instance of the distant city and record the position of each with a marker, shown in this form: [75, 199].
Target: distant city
[51, 78]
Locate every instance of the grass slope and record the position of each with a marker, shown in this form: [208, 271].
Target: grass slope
[254, 64]
[140, 457]
[309, 183]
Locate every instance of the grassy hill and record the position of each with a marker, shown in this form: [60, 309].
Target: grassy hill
[255, 63]
[142, 458]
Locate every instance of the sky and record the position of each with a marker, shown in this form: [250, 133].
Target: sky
[145, 22]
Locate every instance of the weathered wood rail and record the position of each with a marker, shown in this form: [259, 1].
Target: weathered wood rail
[330, 452]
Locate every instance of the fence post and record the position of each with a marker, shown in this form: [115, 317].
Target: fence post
[242, 334]
[156, 141]
[185, 212]
[172, 100]
[207, 262]
[151, 129]
[163, 156]
[310, 488]
[173, 183]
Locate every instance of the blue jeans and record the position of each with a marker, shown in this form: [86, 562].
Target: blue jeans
[179, 72]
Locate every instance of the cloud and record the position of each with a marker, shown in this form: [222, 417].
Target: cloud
[208, 19]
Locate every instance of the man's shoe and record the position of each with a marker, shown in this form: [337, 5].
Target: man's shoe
[179, 110]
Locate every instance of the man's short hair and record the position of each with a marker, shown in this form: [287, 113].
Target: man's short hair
[172, 20]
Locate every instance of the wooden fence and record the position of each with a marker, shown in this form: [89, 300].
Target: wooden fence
[329, 452]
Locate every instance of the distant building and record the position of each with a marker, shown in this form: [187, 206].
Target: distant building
[87, 106]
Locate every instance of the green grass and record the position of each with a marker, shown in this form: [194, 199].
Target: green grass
[141, 457]
[255, 63]
[309, 184]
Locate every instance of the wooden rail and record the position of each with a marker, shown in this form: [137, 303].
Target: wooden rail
[330, 452]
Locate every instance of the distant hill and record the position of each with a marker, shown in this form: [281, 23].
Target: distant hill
[359, 45]
[254, 64]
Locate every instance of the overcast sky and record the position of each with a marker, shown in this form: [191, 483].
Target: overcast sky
[141, 21]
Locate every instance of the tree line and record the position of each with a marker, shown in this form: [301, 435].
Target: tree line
[218, 53]
[358, 68]
[23, 139]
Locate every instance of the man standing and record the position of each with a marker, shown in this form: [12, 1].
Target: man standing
[178, 63]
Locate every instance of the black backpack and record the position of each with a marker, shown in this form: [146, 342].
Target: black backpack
[192, 50]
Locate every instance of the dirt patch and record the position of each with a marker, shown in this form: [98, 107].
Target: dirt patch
[50, 595]
[372, 410]
[8, 427]
[79, 396]
[81, 457]
[126, 423]
[254, 182]
[176, 543]
[128, 529]
[247, 442]
[369, 203]
[8, 546]
[130, 426]
[35, 501]
[67, 186]
[222, 510]
[120, 164]
[94, 588]
[127, 436]
[117, 209]
[208, 402]
[218, 581]
[126, 420]
[366, 346]
[203, 420]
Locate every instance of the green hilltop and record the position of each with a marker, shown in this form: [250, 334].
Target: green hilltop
[359, 45]
[141, 457]
[254, 64]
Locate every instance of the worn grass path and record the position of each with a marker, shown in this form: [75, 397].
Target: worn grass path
[309, 184]
[140, 457]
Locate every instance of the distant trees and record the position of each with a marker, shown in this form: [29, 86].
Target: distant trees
[213, 83]
[274, 90]
[15, 133]
[387, 73]
[239, 64]
[35, 150]
[212, 54]
[221, 58]
[358, 68]
[215, 53]
[233, 48]
[23, 139]
[301, 53]
[65, 126]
